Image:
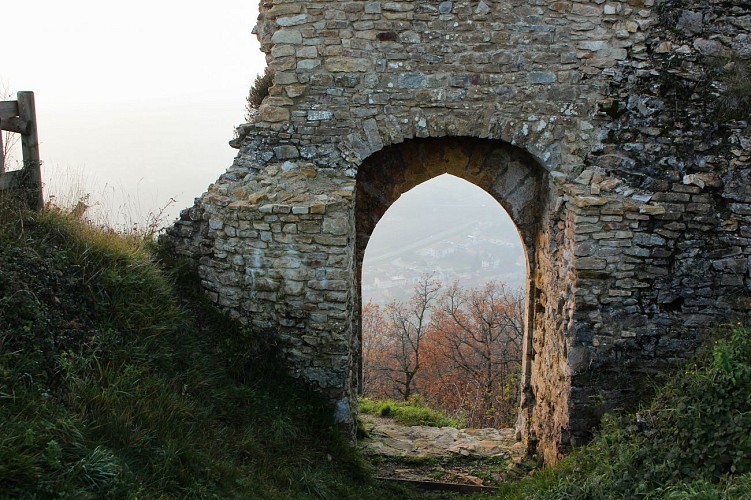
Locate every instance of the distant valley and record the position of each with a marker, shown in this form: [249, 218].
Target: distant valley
[446, 227]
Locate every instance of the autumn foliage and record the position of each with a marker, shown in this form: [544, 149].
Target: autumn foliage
[458, 349]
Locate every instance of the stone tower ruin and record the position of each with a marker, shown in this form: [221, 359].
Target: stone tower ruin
[605, 128]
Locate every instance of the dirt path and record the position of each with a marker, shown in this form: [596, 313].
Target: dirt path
[445, 454]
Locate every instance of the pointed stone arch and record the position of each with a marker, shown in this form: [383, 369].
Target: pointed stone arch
[509, 174]
[513, 177]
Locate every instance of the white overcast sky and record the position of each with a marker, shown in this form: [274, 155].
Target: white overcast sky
[136, 100]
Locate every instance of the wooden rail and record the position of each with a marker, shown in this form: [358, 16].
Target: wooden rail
[19, 116]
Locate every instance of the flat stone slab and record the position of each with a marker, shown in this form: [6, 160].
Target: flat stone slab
[391, 439]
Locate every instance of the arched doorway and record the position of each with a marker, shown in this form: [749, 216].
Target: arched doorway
[443, 304]
[510, 175]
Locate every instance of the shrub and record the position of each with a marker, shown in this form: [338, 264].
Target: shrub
[735, 97]
[258, 91]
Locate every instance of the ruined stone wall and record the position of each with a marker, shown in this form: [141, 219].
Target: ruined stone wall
[681, 260]
[641, 241]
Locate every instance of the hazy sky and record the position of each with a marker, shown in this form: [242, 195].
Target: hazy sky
[135, 100]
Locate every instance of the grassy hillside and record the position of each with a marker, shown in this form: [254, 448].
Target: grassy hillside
[117, 380]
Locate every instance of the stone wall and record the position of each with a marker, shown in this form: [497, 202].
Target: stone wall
[637, 227]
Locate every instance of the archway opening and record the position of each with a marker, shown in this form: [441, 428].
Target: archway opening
[442, 287]
[510, 176]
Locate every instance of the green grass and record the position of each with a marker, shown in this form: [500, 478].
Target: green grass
[118, 380]
[412, 412]
[692, 441]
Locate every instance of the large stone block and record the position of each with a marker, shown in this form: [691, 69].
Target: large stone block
[348, 64]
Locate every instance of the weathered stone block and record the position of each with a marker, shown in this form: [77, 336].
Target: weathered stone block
[309, 227]
[319, 115]
[590, 263]
[292, 21]
[331, 241]
[542, 77]
[290, 36]
[329, 285]
[585, 10]
[286, 152]
[411, 80]
[589, 201]
[648, 240]
[304, 65]
[347, 64]
[273, 114]
[690, 22]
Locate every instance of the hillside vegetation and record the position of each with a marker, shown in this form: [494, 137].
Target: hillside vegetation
[118, 380]
[692, 441]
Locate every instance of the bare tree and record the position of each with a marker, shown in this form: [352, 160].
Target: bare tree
[407, 326]
[375, 351]
[461, 349]
[480, 331]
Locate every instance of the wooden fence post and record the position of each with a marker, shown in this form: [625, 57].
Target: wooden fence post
[19, 117]
[2, 154]
[30, 150]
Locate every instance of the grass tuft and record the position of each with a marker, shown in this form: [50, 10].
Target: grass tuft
[412, 412]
